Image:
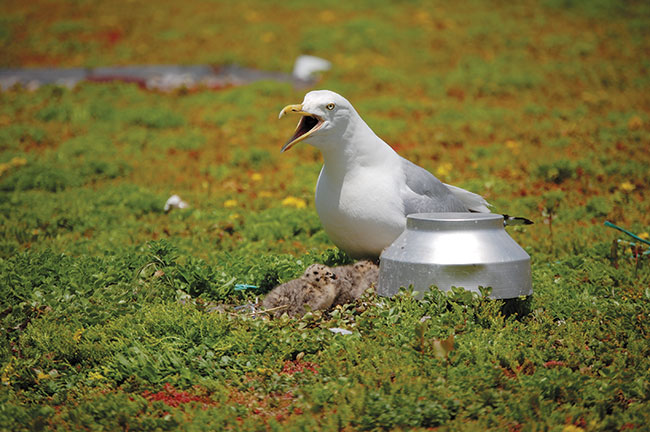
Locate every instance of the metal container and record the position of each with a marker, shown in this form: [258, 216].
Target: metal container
[455, 249]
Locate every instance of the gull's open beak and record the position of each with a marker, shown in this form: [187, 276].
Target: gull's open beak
[307, 125]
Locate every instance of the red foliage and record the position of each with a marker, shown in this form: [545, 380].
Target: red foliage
[113, 36]
[554, 363]
[173, 398]
[526, 368]
[292, 367]
[266, 406]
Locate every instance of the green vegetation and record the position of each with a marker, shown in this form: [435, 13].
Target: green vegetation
[117, 315]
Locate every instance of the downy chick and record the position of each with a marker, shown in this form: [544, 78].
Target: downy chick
[316, 288]
[361, 276]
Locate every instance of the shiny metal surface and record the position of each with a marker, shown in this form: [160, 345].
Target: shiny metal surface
[455, 249]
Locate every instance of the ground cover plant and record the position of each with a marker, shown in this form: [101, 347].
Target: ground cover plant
[117, 315]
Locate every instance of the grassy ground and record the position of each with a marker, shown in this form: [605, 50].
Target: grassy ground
[109, 305]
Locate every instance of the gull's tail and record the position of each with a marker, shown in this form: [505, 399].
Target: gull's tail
[477, 204]
[514, 220]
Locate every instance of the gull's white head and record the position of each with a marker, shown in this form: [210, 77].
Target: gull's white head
[325, 118]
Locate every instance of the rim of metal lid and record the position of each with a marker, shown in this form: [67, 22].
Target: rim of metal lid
[445, 221]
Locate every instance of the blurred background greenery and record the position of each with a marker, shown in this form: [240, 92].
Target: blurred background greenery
[540, 106]
[513, 101]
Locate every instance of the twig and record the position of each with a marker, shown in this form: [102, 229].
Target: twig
[271, 310]
[614, 253]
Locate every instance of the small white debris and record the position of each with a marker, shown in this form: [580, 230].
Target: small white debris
[173, 202]
[171, 81]
[306, 66]
[340, 331]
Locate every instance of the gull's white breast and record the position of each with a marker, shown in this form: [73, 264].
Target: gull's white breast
[361, 212]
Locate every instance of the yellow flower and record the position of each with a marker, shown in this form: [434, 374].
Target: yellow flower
[77, 335]
[6, 374]
[234, 216]
[294, 202]
[256, 176]
[513, 145]
[327, 16]
[14, 162]
[96, 376]
[644, 235]
[627, 186]
[572, 428]
[635, 123]
[422, 17]
[444, 169]
[230, 203]
[17, 161]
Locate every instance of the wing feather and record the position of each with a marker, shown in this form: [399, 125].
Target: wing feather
[474, 202]
[426, 194]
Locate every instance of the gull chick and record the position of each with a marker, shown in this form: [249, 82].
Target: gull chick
[321, 288]
[365, 189]
[317, 289]
[360, 276]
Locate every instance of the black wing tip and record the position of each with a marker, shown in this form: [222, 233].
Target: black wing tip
[516, 220]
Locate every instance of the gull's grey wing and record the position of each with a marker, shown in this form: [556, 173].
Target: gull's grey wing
[425, 193]
[474, 202]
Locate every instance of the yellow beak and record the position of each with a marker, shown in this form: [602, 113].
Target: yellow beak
[297, 109]
[304, 128]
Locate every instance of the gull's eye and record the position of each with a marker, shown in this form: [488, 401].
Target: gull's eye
[330, 106]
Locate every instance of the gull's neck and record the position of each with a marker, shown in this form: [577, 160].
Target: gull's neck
[358, 146]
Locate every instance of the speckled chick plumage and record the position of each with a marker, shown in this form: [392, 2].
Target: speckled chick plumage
[321, 287]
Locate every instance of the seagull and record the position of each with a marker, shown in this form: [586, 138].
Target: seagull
[366, 190]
